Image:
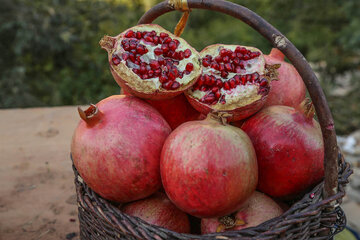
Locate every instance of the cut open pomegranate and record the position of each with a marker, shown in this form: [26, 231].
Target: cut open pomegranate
[152, 63]
[234, 80]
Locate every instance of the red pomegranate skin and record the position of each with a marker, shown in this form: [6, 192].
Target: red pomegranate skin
[259, 208]
[289, 89]
[118, 153]
[176, 110]
[208, 169]
[289, 148]
[159, 210]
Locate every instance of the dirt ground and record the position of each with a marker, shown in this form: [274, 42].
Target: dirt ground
[37, 194]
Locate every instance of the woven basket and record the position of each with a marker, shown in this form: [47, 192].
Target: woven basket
[316, 216]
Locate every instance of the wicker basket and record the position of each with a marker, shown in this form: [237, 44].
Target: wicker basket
[316, 216]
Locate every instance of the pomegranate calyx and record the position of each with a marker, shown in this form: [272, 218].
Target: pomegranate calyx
[307, 108]
[221, 117]
[107, 43]
[271, 72]
[228, 222]
[89, 113]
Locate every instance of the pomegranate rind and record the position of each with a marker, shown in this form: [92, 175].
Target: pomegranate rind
[160, 211]
[249, 100]
[259, 208]
[289, 149]
[289, 89]
[146, 89]
[208, 169]
[118, 155]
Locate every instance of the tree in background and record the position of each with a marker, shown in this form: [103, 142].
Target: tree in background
[50, 53]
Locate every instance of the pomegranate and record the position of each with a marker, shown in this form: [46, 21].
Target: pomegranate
[116, 148]
[234, 80]
[289, 149]
[149, 62]
[208, 168]
[176, 110]
[290, 89]
[159, 210]
[259, 208]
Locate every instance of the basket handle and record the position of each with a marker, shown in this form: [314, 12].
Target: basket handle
[279, 41]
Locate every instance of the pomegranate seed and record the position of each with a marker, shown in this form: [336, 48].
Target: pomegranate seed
[163, 35]
[154, 64]
[158, 51]
[161, 61]
[138, 35]
[175, 85]
[219, 83]
[144, 33]
[232, 83]
[205, 63]
[145, 76]
[214, 89]
[224, 74]
[243, 79]
[226, 59]
[228, 66]
[138, 57]
[222, 99]
[233, 55]
[137, 62]
[221, 67]
[263, 82]
[177, 42]
[149, 39]
[181, 55]
[172, 45]
[207, 80]
[243, 50]
[237, 79]
[242, 65]
[163, 79]
[238, 69]
[239, 55]
[203, 88]
[164, 48]
[214, 65]
[248, 77]
[253, 55]
[189, 67]
[223, 52]
[135, 70]
[236, 61]
[176, 71]
[226, 86]
[171, 75]
[140, 49]
[129, 34]
[126, 47]
[255, 76]
[116, 60]
[187, 53]
[167, 40]
[209, 98]
[132, 57]
[167, 85]
[157, 72]
[125, 56]
[246, 57]
[218, 59]
[237, 49]
[152, 33]
[142, 69]
[156, 40]
[217, 94]
[151, 73]
[213, 81]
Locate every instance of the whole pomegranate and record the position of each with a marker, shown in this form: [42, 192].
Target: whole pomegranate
[208, 168]
[159, 210]
[116, 148]
[290, 89]
[149, 62]
[259, 208]
[176, 110]
[289, 149]
[234, 80]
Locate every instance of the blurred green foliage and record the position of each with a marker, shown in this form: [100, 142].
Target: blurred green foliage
[50, 53]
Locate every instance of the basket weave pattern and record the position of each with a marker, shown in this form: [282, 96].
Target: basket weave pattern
[308, 218]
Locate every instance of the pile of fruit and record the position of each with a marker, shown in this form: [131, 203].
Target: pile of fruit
[224, 136]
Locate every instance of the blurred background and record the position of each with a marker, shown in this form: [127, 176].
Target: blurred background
[50, 54]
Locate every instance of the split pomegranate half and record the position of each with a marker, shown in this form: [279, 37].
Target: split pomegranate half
[234, 80]
[152, 63]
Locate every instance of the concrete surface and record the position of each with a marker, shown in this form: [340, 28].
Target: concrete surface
[37, 195]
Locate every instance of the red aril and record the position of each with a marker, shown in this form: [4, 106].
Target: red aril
[289, 149]
[116, 148]
[149, 62]
[259, 208]
[290, 89]
[160, 211]
[208, 168]
[234, 80]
